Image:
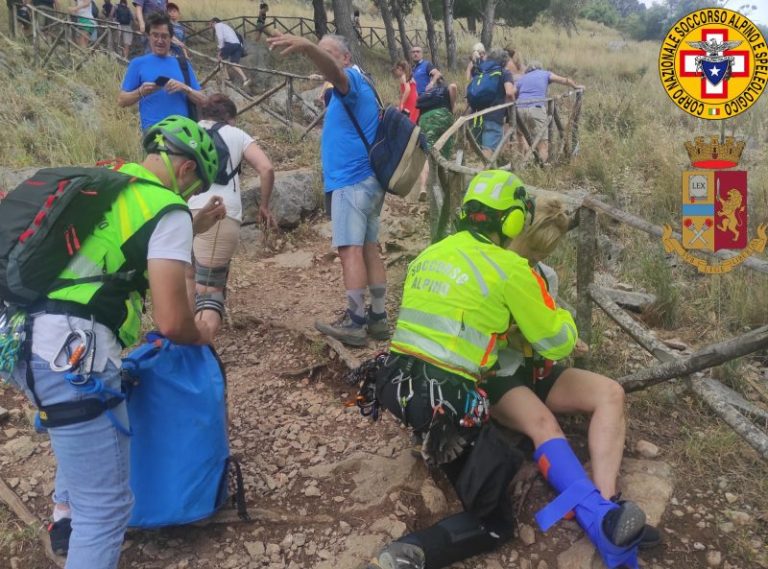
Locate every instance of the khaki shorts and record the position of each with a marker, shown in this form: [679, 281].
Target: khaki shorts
[216, 247]
[126, 34]
[535, 120]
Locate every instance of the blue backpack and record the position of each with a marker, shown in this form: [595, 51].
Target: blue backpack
[180, 461]
[398, 151]
[484, 89]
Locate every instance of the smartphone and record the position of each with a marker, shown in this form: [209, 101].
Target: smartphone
[161, 81]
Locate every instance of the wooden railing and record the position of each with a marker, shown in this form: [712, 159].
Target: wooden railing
[54, 35]
[561, 129]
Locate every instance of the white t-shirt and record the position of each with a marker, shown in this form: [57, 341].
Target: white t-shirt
[84, 12]
[237, 141]
[225, 34]
[171, 239]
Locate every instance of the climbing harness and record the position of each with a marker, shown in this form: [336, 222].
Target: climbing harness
[364, 377]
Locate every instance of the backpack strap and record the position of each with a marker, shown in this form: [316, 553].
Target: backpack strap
[184, 65]
[352, 116]
[235, 170]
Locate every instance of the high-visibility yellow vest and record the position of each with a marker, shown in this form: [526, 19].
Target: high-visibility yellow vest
[118, 245]
[459, 299]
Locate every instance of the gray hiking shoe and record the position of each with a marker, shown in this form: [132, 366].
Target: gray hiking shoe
[346, 330]
[399, 555]
[377, 326]
[624, 524]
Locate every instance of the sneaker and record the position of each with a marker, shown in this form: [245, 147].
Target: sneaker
[398, 555]
[651, 537]
[59, 533]
[246, 83]
[377, 326]
[345, 330]
[624, 524]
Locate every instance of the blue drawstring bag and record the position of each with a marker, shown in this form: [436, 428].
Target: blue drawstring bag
[180, 460]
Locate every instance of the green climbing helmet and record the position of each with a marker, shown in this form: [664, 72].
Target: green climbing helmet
[496, 189]
[188, 138]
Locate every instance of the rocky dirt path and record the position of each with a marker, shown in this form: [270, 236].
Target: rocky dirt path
[326, 488]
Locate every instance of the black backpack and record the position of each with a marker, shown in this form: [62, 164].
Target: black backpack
[435, 98]
[241, 39]
[123, 14]
[225, 159]
[43, 223]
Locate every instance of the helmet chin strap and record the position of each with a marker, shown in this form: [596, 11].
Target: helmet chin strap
[174, 182]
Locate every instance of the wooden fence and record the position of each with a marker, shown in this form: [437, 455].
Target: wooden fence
[248, 26]
[54, 35]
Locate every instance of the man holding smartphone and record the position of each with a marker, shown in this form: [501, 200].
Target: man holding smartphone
[157, 81]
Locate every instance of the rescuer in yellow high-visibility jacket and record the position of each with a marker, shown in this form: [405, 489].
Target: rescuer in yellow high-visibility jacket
[454, 363]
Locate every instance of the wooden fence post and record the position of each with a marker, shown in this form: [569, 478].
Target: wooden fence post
[586, 250]
[550, 126]
[289, 101]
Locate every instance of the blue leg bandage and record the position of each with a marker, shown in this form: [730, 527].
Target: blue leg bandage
[564, 472]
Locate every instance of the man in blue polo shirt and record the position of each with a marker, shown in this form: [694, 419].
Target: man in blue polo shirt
[424, 73]
[156, 80]
[351, 189]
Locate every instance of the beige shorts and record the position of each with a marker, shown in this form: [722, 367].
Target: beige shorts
[217, 246]
[535, 120]
[126, 34]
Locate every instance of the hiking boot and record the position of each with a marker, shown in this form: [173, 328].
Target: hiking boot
[398, 555]
[377, 326]
[59, 533]
[651, 537]
[346, 330]
[624, 524]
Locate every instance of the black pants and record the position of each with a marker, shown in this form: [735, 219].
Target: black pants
[481, 475]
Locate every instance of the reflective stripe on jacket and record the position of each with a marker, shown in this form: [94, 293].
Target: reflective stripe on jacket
[119, 244]
[459, 299]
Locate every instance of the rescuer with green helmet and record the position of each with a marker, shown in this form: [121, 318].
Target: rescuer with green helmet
[76, 333]
[452, 367]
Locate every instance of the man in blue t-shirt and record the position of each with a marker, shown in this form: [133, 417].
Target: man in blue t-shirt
[424, 73]
[351, 189]
[156, 80]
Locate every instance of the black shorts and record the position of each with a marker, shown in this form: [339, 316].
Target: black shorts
[496, 387]
[232, 52]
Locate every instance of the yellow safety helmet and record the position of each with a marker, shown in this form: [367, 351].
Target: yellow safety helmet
[504, 192]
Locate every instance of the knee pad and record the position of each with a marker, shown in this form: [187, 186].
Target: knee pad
[577, 492]
[214, 277]
[210, 301]
[454, 539]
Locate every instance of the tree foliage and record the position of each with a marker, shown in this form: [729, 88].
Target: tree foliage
[517, 13]
[602, 11]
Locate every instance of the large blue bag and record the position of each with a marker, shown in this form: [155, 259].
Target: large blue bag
[179, 449]
[486, 87]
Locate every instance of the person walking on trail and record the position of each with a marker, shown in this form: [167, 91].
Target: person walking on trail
[147, 231]
[352, 193]
[83, 13]
[261, 20]
[124, 19]
[491, 125]
[214, 249]
[424, 73]
[408, 95]
[157, 82]
[178, 48]
[229, 46]
[144, 8]
[532, 89]
[436, 116]
[475, 59]
[450, 369]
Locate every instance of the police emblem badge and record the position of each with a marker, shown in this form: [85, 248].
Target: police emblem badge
[714, 207]
[714, 63]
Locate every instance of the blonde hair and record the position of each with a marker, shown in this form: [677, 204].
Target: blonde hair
[550, 224]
